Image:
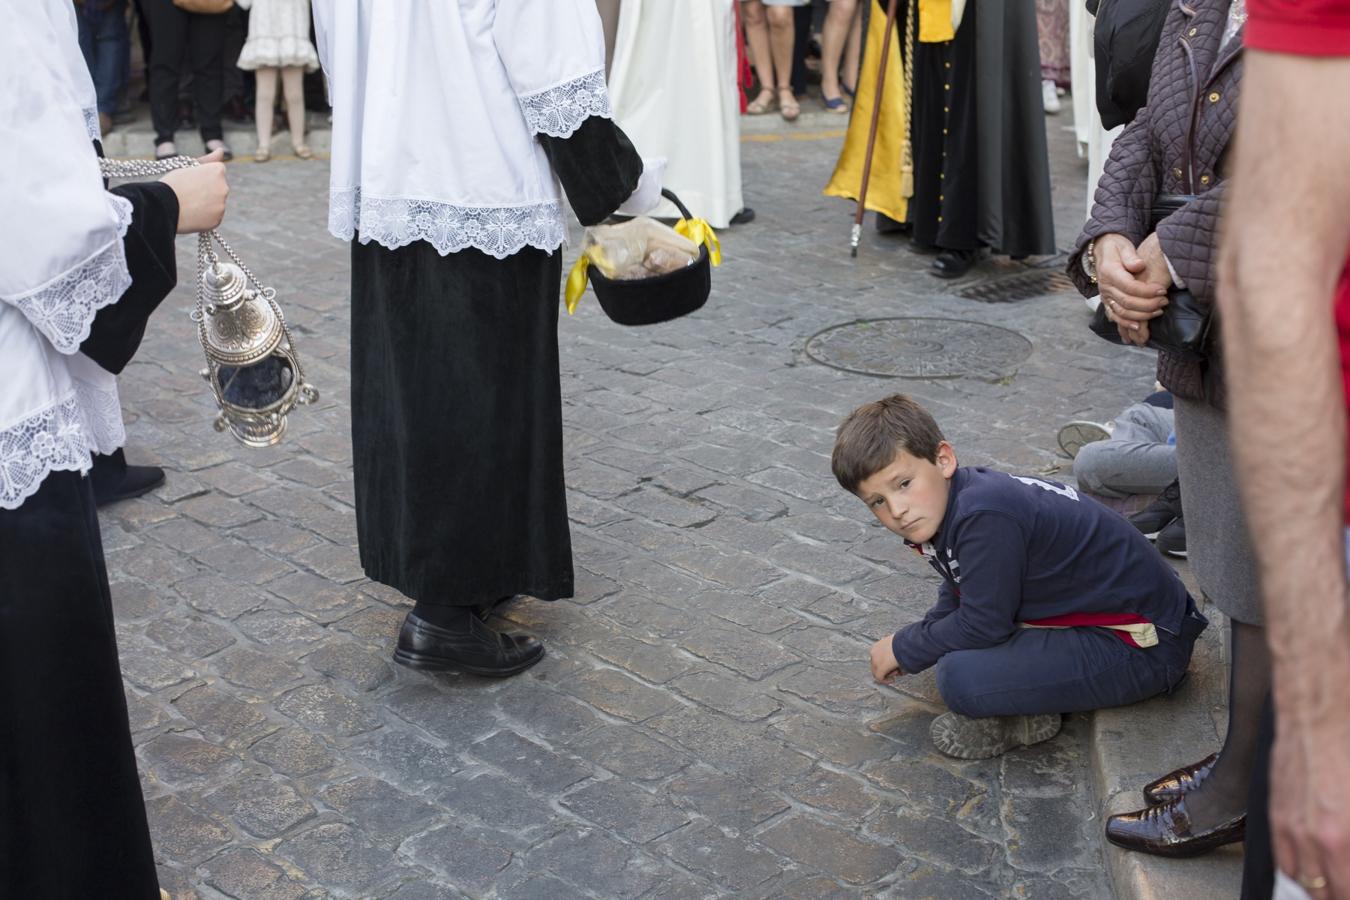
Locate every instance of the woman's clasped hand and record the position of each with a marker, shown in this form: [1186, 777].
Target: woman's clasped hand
[1133, 283]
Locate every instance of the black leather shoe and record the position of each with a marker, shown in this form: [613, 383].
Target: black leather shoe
[953, 263]
[744, 217]
[1182, 781]
[919, 247]
[487, 610]
[478, 651]
[1166, 830]
[114, 480]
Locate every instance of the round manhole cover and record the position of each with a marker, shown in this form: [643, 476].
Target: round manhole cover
[917, 347]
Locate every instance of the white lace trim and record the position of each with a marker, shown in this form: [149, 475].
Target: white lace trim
[560, 110]
[124, 211]
[498, 231]
[63, 309]
[91, 123]
[101, 414]
[49, 441]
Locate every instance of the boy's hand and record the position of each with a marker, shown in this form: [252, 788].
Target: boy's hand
[885, 667]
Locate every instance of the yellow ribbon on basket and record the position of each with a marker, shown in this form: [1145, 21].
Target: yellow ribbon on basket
[577, 279]
[700, 232]
[697, 230]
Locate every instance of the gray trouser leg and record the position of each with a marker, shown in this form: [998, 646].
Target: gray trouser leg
[1136, 460]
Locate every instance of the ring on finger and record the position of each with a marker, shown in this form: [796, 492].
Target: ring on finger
[1313, 882]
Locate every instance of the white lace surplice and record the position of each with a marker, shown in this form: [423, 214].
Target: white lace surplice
[435, 111]
[61, 257]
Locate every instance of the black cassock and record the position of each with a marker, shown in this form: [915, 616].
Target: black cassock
[981, 170]
[72, 818]
[456, 401]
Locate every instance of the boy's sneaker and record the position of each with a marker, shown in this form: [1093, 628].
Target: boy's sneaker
[1075, 435]
[1160, 513]
[1172, 539]
[966, 738]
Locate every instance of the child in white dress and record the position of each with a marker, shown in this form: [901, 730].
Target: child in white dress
[278, 42]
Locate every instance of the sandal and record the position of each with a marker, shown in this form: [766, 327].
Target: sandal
[835, 104]
[303, 152]
[761, 104]
[788, 107]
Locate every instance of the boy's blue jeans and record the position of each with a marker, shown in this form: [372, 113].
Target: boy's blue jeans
[106, 46]
[1041, 670]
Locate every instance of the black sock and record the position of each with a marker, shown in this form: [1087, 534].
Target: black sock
[451, 618]
[1223, 794]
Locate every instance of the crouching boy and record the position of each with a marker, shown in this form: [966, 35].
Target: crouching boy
[1050, 603]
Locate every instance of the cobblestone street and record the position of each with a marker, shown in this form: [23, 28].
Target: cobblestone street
[704, 723]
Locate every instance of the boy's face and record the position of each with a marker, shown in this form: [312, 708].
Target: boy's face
[909, 496]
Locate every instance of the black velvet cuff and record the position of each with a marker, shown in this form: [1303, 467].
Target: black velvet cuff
[597, 165]
[118, 328]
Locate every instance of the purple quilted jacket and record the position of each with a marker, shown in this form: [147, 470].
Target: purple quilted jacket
[1177, 145]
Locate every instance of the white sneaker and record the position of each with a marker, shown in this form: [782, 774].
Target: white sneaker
[1050, 97]
[1076, 435]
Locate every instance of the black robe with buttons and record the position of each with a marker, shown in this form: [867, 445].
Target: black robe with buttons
[981, 170]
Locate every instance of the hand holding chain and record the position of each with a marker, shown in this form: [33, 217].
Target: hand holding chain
[251, 361]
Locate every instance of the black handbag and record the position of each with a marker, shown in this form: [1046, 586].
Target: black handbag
[1183, 328]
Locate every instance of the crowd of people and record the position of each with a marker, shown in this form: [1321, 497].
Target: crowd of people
[1049, 602]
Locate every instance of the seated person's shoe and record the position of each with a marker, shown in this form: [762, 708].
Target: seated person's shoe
[965, 738]
[477, 650]
[1183, 780]
[1172, 539]
[114, 480]
[1076, 435]
[1165, 830]
[1158, 514]
[953, 263]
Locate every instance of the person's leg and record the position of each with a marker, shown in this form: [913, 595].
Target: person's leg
[266, 78]
[1223, 794]
[781, 31]
[206, 42]
[1138, 459]
[848, 75]
[1258, 857]
[168, 27]
[1041, 670]
[292, 79]
[757, 36]
[838, 22]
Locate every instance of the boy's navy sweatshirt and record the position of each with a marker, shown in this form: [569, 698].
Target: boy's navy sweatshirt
[1017, 549]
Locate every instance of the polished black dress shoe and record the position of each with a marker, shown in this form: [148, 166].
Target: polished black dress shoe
[1183, 780]
[114, 480]
[953, 263]
[477, 650]
[487, 610]
[1166, 830]
[745, 216]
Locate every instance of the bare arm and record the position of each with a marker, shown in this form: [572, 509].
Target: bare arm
[1287, 227]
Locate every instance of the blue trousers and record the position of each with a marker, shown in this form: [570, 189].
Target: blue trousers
[106, 46]
[1040, 670]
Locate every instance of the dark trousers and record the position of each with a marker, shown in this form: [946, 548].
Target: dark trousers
[107, 47]
[1042, 670]
[202, 39]
[72, 821]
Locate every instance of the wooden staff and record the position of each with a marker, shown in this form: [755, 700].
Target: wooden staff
[856, 234]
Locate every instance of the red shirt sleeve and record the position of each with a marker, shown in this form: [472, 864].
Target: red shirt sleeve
[1302, 27]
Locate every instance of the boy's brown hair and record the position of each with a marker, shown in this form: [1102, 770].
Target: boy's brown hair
[870, 437]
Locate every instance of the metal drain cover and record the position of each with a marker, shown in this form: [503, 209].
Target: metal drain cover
[920, 347]
[1022, 286]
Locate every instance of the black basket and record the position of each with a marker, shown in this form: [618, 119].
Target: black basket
[646, 301]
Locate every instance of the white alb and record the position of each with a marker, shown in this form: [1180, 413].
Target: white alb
[436, 108]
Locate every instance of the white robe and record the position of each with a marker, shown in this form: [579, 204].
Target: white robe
[673, 91]
[1094, 141]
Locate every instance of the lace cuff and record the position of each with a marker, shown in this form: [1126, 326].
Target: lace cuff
[63, 309]
[499, 231]
[91, 123]
[52, 440]
[560, 110]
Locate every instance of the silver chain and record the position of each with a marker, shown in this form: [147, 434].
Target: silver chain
[206, 254]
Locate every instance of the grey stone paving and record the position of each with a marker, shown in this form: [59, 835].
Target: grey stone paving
[704, 723]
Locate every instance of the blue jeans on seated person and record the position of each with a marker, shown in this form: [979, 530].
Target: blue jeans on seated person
[1064, 670]
[106, 46]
